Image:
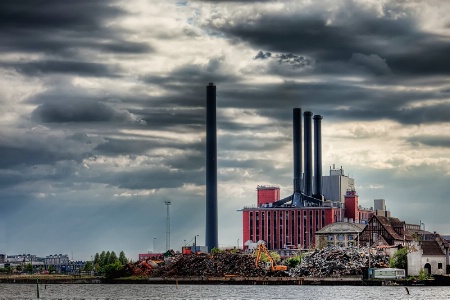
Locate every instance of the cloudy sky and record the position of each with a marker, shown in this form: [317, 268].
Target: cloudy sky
[103, 113]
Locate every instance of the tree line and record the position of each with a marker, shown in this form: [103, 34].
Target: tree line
[107, 263]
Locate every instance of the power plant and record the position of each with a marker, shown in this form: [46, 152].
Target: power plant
[293, 221]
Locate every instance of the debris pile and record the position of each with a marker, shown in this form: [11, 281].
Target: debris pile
[336, 261]
[141, 268]
[218, 265]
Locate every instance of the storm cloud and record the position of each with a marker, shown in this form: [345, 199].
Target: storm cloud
[103, 113]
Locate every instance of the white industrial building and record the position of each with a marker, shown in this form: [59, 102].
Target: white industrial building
[336, 185]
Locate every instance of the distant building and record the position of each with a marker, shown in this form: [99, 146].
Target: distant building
[336, 185]
[2, 258]
[21, 258]
[342, 234]
[385, 231]
[380, 208]
[60, 262]
[432, 256]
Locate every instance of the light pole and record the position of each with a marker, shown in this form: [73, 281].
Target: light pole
[185, 243]
[154, 245]
[238, 244]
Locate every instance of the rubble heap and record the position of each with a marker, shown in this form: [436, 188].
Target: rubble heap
[140, 268]
[336, 261]
[218, 265]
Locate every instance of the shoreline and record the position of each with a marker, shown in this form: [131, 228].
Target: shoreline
[344, 280]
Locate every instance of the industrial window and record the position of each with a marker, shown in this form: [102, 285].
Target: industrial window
[341, 237]
[330, 237]
[439, 266]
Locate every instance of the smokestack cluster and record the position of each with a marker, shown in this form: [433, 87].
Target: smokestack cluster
[308, 156]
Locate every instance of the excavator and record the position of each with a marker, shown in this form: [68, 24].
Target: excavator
[271, 264]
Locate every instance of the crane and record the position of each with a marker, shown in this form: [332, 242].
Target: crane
[272, 267]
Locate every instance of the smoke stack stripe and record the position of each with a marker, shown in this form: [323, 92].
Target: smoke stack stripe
[211, 239]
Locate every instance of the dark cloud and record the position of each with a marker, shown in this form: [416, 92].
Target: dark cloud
[372, 63]
[263, 55]
[39, 149]
[432, 141]
[46, 67]
[61, 28]
[80, 111]
[354, 29]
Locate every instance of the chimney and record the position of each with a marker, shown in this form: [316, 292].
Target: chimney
[318, 154]
[308, 153]
[297, 136]
[211, 239]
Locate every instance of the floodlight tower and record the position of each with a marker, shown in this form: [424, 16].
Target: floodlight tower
[167, 203]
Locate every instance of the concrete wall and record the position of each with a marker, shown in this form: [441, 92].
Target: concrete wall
[414, 263]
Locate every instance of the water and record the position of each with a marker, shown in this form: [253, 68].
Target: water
[152, 292]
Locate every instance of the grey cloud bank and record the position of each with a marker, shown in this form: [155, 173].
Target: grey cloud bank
[103, 113]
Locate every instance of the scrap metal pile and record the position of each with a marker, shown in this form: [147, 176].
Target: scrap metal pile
[217, 265]
[140, 268]
[336, 261]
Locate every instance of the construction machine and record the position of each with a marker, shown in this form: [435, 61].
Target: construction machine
[271, 264]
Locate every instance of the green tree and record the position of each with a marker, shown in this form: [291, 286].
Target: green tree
[88, 266]
[294, 261]
[102, 258]
[96, 258]
[29, 268]
[19, 268]
[51, 269]
[106, 259]
[399, 259]
[122, 258]
[113, 270]
[112, 257]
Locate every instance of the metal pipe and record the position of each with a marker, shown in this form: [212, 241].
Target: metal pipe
[318, 154]
[211, 239]
[307, 152]
[297, 135]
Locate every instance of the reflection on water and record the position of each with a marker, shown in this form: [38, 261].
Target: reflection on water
[151, 291]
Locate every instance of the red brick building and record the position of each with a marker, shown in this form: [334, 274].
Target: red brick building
[267, 194]
[295, 227]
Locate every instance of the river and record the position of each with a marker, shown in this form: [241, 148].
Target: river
[151, 292]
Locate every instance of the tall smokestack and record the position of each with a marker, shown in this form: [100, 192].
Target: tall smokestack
[297, 137]
[211, 239]
[318, 154]
[308, 153]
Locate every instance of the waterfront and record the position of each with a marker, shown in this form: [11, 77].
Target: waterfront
[151, 292]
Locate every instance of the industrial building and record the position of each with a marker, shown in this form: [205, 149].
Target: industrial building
[292, 222]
